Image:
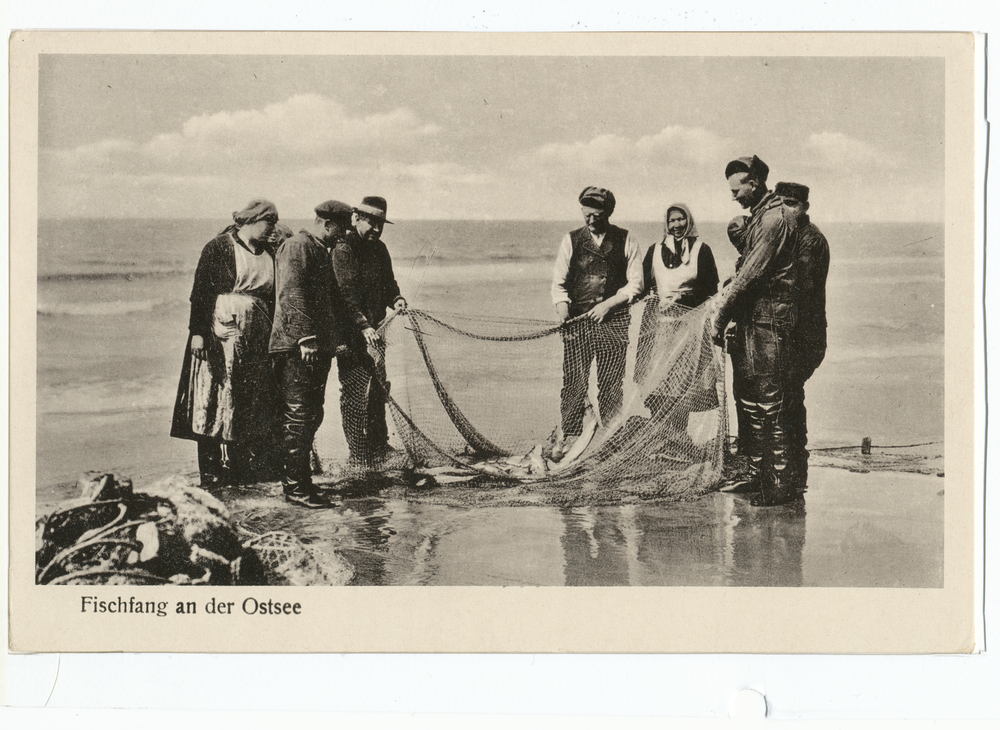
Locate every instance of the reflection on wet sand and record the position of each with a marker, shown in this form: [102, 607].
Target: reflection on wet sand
[870, 530]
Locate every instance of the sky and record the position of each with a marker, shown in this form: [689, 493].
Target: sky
[484, 137]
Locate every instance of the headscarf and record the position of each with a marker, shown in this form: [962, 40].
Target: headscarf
[254, 211]
[687, 240]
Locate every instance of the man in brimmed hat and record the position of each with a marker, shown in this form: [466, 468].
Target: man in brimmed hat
[809, 336]
[598, 272]
[304, 337]
[761, 300]
[368, 289]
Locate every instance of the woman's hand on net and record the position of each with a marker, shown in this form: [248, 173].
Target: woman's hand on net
[198, 346]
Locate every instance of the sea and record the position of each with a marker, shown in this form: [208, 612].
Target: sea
[112, 310]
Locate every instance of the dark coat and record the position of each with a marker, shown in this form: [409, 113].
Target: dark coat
[764, 289]
[215, 275]
[303, 283]
[366, 282]
[813, 253]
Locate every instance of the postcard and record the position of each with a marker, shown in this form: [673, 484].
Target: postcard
[435, 342]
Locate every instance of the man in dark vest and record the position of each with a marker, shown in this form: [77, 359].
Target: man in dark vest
[809, 337]
[368, 288]
[598, 272]
[304, 337]
[761, 300]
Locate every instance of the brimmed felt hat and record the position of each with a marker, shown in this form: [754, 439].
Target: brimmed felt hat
[334, 210]
[375, 207]
[792, 190]
[754, 165]
[599, 198]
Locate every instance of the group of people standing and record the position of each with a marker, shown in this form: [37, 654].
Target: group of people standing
[270, 310]
[772, 314]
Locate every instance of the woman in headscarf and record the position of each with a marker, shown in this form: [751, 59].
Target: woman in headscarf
[680, 275]
[225, 397]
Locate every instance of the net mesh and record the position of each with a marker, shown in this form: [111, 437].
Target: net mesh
[635, 404]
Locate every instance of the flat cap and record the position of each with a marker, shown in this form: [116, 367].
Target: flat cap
[792, 190]
[754, 165]
[600, 198]
[334, 210]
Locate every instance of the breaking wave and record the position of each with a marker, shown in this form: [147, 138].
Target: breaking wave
[98, 309]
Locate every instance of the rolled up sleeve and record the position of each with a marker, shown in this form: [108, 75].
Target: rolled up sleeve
[560, 272]
[635, 280]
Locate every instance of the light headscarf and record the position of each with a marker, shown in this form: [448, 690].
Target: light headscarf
[687, 240]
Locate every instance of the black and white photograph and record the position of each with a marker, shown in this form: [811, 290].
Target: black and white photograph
[557, 316]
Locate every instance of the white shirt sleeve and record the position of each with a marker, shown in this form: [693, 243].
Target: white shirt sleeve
[561, 271]
[633, 269]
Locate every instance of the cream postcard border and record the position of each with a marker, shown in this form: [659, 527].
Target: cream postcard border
[443, 619]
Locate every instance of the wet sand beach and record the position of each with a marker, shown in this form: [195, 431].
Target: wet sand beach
[861, 525]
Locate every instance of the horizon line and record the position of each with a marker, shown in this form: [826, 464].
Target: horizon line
[483, 220]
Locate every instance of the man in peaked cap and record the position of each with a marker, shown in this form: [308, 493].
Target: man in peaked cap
[598, 272]
[304, 337]
[368, 288]
[809, 337]
[761, 300]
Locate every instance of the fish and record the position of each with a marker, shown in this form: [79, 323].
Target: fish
[581, 444]
[435, 471]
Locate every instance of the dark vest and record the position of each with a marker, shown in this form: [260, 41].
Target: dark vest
[596, 273]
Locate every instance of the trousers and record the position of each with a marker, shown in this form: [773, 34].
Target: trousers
[303, 392]
[583, 342]
[363, 390]
[769, 396]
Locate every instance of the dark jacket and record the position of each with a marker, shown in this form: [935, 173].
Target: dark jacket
[303, 277]
[813, 253]
[215, 275]
[595, 274]
[366, 282]
[764, 289]
[706, 285]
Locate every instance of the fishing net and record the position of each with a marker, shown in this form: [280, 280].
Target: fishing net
[635, 404]
[288, 561]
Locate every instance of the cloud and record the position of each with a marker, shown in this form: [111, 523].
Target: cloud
[673, 145]
[298, 131]
[833, 150]
[307, 138]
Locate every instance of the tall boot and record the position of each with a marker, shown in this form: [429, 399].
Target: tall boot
[210, 464]
[776, 477]
[296, 476]
[750, 481]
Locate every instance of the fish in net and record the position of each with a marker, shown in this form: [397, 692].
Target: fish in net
[634, 405]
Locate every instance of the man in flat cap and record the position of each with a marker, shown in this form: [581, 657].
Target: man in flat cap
[368, 289]
[304, 337]
[809, 337]
[598, 272]
[761, 300]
